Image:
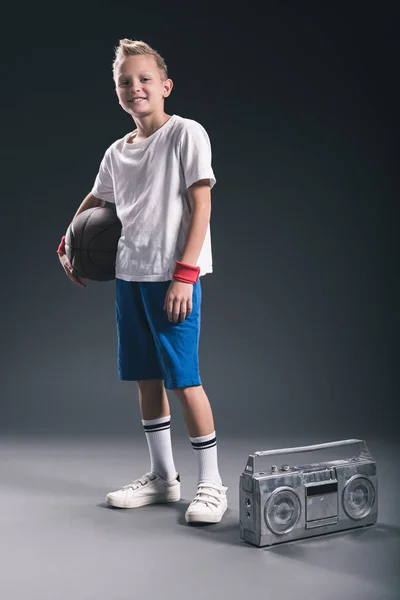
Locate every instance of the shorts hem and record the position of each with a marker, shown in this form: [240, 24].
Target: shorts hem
[135, 378]
[169, 384]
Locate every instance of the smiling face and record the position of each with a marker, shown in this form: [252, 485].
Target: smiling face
[140, 86]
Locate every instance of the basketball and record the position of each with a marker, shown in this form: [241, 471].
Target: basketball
[91, 243]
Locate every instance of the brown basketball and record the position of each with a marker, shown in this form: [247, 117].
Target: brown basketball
[91, 243]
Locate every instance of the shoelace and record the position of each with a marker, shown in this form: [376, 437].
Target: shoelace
[141, 481]
[208, 495]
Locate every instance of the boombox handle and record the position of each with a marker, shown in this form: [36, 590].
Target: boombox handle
[363, 451]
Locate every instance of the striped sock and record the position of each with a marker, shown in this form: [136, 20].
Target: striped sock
[158, 435]
[205, 448]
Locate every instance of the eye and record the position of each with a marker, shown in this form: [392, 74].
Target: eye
[126, 82]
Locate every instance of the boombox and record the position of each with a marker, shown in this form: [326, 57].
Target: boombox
[290, 502]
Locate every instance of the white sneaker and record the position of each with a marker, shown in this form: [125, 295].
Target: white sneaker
[209, 504]
[148, 489]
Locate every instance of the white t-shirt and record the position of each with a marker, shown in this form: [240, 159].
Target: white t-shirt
[148, 182]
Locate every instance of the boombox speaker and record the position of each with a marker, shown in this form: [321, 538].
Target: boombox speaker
[290, 502]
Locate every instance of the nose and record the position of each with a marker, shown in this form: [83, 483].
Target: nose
[135, 91]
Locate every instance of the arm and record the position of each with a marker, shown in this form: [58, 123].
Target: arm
[178, 294]
[200, 200]
[89, 202]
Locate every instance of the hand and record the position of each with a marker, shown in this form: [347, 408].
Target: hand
[70, 271]
[178, 300]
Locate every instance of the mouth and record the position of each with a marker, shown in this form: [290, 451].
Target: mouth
[136, 100]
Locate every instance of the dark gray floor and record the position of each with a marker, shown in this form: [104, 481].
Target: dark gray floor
[59, 541]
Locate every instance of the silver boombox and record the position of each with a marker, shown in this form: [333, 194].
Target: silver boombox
[281, 504]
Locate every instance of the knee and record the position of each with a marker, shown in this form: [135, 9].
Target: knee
[185, 393]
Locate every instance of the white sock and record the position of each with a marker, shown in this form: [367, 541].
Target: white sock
[205, 449]
[158, 435]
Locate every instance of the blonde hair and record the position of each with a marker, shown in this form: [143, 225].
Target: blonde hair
[129, 47]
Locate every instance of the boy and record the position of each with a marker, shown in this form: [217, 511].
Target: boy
[160, 179]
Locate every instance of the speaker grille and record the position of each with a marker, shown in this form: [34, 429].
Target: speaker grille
[358, 497]
[282, 511]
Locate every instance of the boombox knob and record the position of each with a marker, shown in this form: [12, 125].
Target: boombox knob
[285, 468]
[274, 468]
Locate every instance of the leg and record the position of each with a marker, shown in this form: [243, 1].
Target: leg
[153, 399]
[156, 420]
[197, 411]
[200, 425]
[210, 502]
[162, 483]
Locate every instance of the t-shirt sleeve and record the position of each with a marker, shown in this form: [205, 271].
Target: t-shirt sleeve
[195, 153]
[103, 187]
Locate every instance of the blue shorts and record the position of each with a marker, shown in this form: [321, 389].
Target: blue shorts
[149, 345]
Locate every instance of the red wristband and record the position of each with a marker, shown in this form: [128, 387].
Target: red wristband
[61, 247]
[186, 273]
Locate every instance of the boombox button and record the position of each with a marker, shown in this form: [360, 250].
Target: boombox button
[285, 468]
[274, 468]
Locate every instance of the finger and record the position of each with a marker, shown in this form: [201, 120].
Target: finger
[175, 311]
[183, 311]
[77, 278]
[170, 308]
[69, 272]
[178, 308]
[77, 281]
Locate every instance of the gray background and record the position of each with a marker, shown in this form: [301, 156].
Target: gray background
[300, 318]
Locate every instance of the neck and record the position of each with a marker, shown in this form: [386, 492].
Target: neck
[149, 124]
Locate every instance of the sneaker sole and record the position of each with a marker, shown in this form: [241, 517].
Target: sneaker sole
[145, 500]
[204, 518]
